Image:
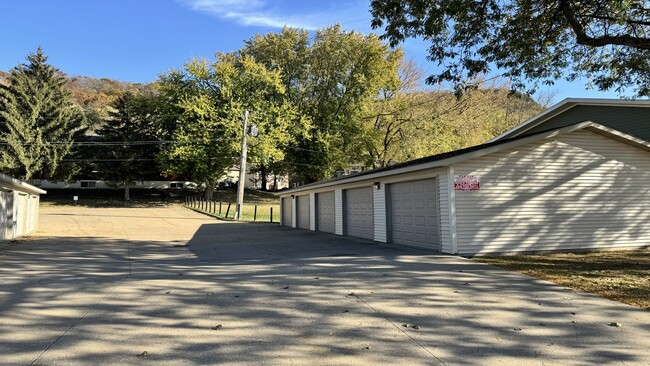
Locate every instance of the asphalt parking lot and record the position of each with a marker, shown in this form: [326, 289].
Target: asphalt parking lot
[168, 286]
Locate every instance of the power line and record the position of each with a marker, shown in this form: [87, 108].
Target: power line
[121, 143]
[143, 143]
[177, 159]
[143, 159]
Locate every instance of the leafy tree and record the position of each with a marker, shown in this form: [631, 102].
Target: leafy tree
[128, 145]
[212, 97]
[603, 40]
[330, 78]
[409, 122]
[397, 116]
[37, 119]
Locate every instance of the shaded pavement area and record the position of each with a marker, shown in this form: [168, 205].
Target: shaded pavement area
[168, 286]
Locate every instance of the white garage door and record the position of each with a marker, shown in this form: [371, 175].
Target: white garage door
[414, 213]
[302, 212]
[358, 212]
[325, 214]
[286, 211]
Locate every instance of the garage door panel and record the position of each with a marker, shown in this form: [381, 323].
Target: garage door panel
[325, 212]
[414, 213]
[302, 212]
[421, 221]
[286, 211]
[358, 212]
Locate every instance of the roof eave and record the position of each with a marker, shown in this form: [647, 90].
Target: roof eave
[19, 185]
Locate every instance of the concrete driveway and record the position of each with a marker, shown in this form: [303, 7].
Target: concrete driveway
[104, 286]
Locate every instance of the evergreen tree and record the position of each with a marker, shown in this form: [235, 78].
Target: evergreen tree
[37, 119]
[128, 139]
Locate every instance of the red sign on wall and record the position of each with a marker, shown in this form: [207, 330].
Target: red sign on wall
[464, 182]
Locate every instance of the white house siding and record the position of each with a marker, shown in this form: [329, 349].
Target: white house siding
[379, 214]
[21, 213]
[10, 208]
[294, 211]
[312, 211]
[444, 209]
[576, 191]
[34, 202]
[338, 211]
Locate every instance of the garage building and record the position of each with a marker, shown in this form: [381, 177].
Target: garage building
[580, 186]
[19, 207]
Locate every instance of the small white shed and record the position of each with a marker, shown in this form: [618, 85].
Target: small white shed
[583, 186]
[19, 207]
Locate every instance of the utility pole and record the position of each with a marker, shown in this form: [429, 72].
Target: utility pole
[242, 170]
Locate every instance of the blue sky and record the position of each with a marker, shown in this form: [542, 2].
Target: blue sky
[136, 40]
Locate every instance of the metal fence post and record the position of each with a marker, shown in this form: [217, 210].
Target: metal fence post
[255, 214]
[271, 214]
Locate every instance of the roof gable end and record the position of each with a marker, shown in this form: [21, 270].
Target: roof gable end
[562, 107]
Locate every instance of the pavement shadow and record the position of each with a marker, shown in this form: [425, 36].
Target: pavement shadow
[266, 294]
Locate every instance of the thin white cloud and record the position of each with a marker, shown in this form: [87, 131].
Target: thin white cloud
[262, 13]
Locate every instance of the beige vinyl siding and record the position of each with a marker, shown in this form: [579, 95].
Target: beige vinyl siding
[577, 191]
[632, 120]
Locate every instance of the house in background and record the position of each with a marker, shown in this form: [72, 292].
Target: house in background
[253, 180]
[19, 207]
[558, 182]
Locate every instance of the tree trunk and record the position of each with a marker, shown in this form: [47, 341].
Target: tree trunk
[209, 191]
[264, 174]
[275, 182]
[127, 193]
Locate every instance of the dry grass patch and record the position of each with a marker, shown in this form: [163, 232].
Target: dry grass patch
[618, 275]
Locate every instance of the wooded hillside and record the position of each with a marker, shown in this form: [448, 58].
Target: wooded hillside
[88, 92]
